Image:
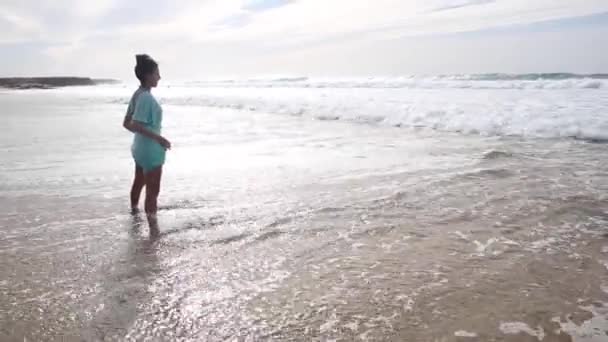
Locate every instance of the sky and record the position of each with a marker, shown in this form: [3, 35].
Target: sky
[202, 39]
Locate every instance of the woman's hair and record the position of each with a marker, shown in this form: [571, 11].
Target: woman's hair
[145, 65]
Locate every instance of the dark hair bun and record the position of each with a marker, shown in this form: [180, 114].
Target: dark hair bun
[142, 58]
[145, 65]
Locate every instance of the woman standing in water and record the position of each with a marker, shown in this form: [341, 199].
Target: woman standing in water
[144, 118]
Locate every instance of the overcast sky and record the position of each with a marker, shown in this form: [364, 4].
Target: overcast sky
[242, 38]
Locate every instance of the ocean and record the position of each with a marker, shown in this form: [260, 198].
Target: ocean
[435, 208]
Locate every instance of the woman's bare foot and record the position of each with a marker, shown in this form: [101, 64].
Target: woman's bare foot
[153, 224]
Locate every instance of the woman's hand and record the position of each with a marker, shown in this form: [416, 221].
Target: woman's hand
[139, 128]
[164, 143]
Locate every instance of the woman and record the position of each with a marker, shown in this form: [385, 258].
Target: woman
[144, 118]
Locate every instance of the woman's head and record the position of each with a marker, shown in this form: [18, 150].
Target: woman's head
[146, 71]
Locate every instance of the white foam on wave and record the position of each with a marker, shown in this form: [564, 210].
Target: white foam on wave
[591, 330]
[548, 121]
[329, 325]
[514, 328]
[408, 82]
[463, 333]
[481, 247]
[539, 109]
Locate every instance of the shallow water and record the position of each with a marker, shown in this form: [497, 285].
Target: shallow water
[282, 227]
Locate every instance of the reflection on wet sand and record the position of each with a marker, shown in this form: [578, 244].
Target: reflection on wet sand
[126, 289]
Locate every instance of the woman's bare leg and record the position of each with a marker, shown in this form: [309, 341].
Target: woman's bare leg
[152, 190]
[138, 184]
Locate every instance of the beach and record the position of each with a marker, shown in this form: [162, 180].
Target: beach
[448, 208]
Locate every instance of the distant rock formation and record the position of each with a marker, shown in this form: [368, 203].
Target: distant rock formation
[50, 82]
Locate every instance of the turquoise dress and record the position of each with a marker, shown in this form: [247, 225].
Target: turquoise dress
[147, 153]
[131, 107]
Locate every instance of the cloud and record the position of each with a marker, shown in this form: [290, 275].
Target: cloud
[219, 32]
[15, 28]
[51, 20]
[450, 5]
[322, 20]
[233, 21]
[247, 12]
[130, 13]
[264, 5]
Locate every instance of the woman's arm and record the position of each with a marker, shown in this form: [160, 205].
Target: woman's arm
[136, 127]
[126, 123]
